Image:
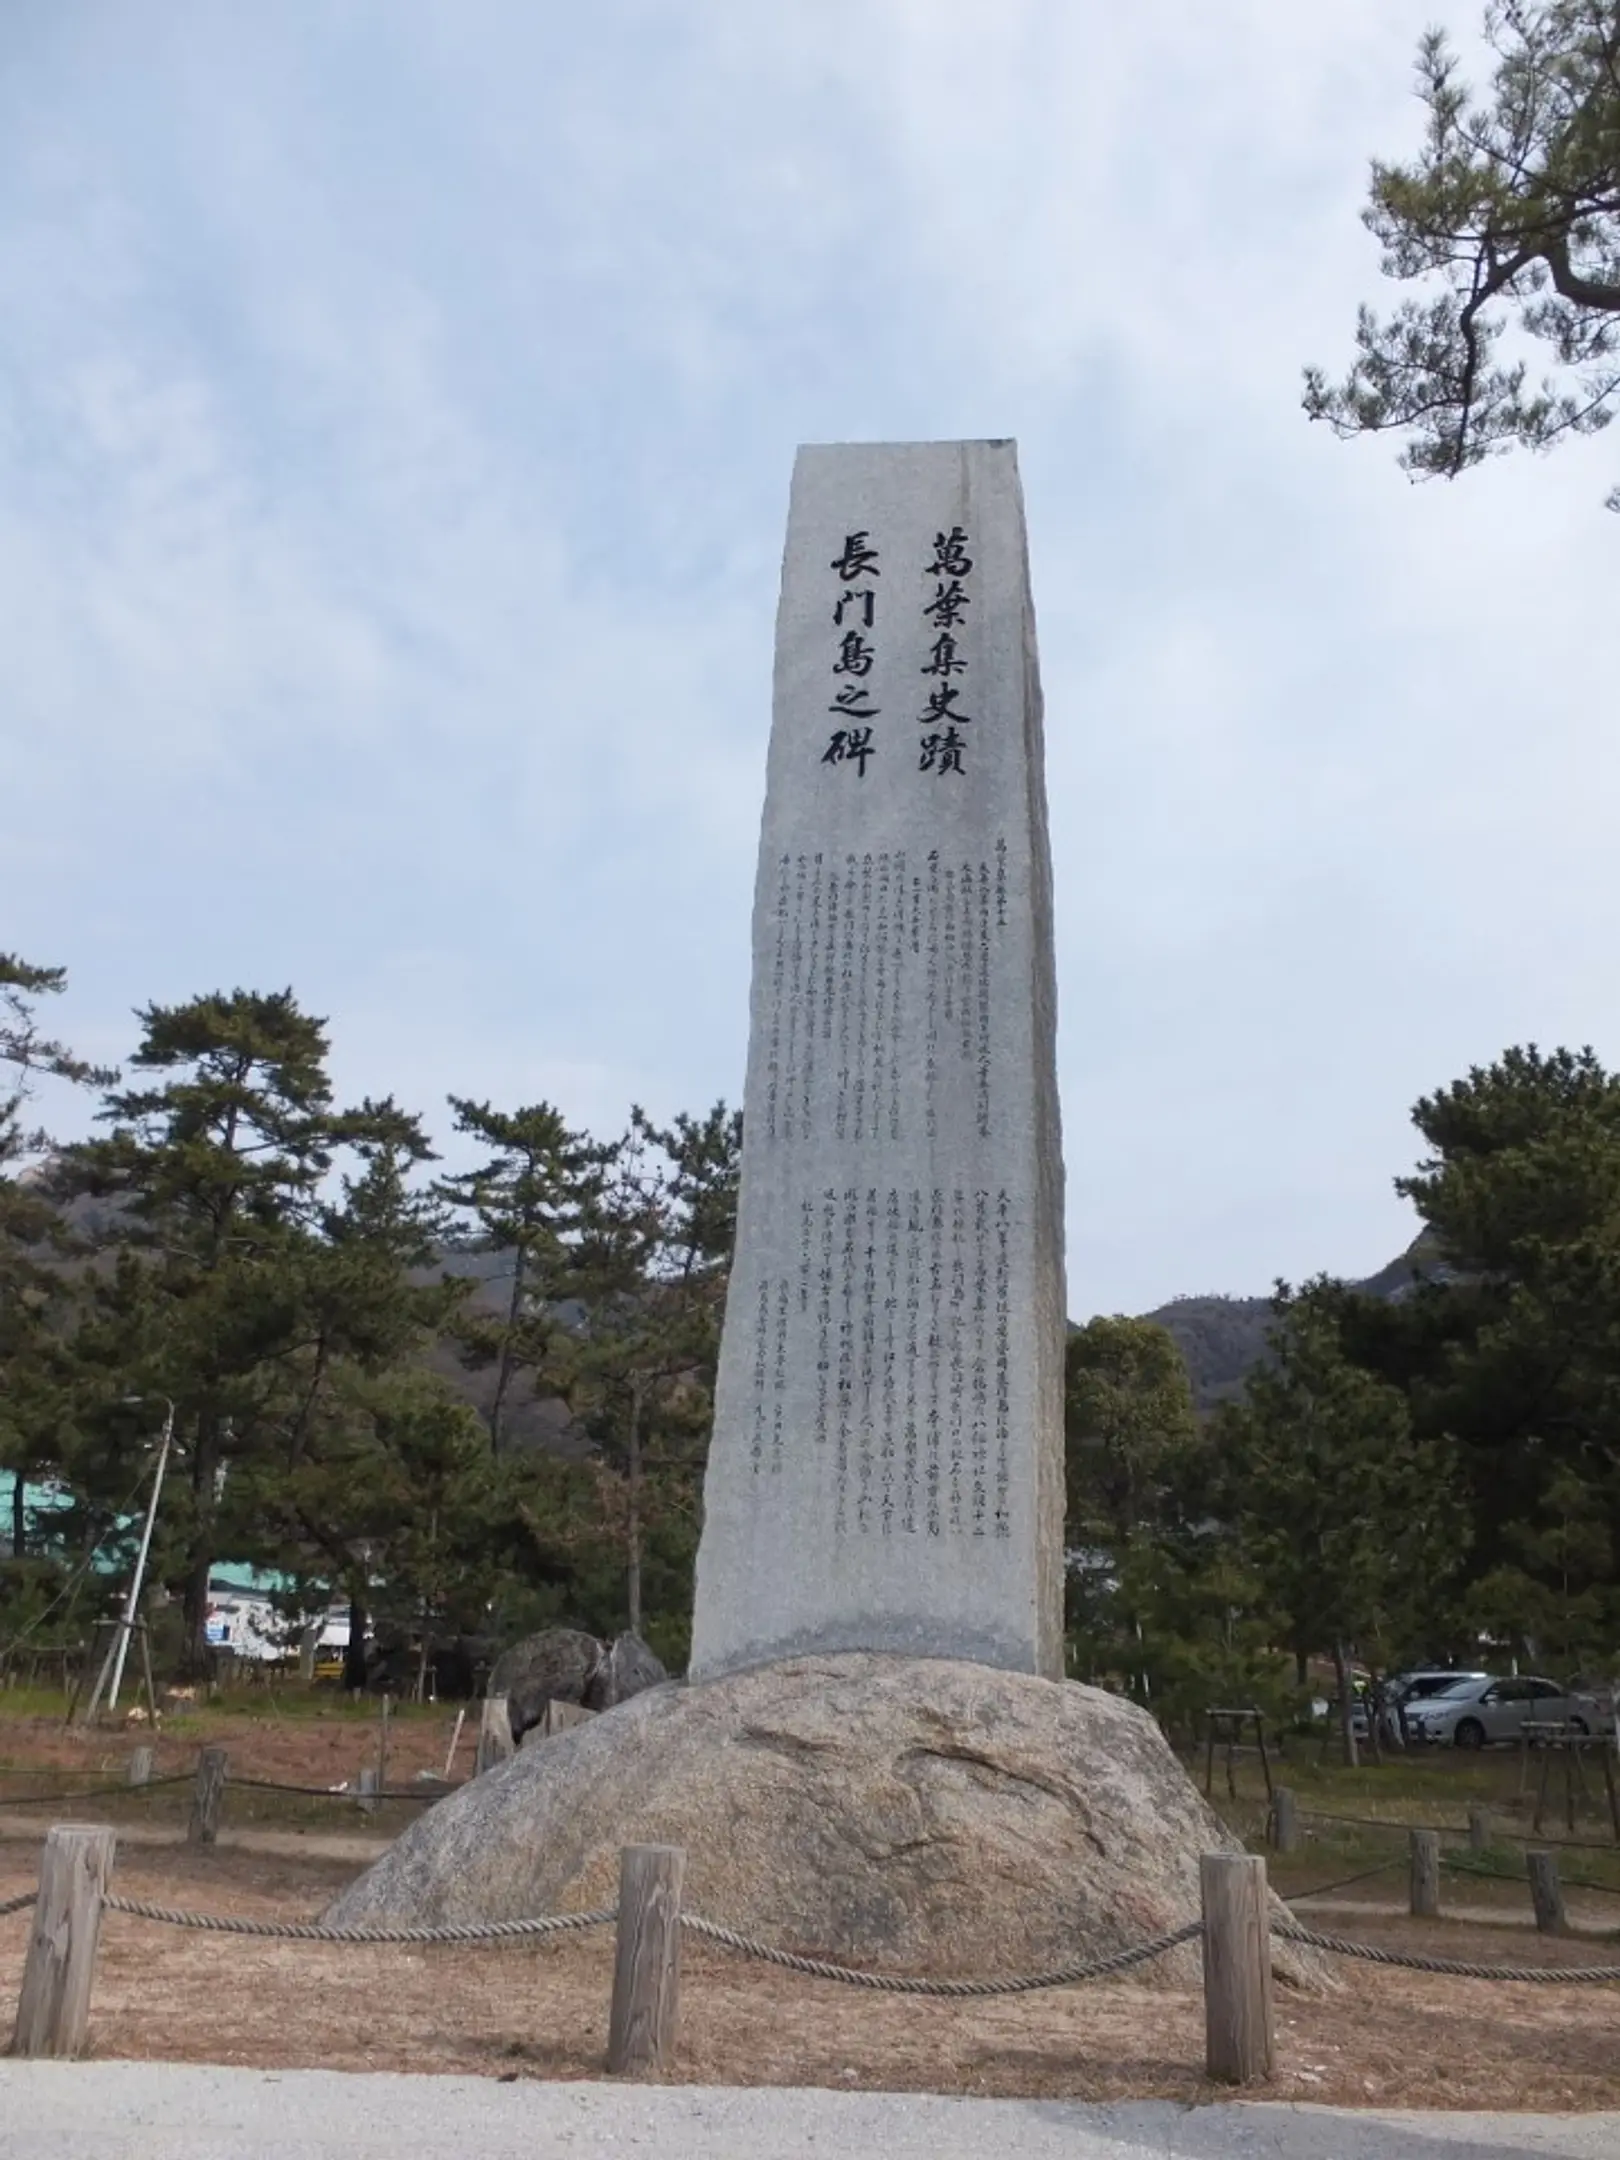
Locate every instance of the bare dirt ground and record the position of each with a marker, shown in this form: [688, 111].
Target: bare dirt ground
[323, 1748]
[1388, 2038]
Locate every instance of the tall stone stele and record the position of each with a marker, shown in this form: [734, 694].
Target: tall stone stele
[886, 1472]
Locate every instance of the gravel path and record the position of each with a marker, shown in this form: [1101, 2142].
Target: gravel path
[163, 2111]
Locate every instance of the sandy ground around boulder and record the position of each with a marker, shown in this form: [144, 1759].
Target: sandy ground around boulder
[1388, 2039]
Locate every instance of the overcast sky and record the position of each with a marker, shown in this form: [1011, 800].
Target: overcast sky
[397, 405]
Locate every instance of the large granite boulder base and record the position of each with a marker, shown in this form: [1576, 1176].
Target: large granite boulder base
[912, 1813]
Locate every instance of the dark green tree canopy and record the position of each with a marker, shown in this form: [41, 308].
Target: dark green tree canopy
[33, 1390]
[1510, 218]
[1131, 1429]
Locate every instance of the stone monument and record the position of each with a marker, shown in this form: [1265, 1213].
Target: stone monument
[886, 1470]
[850, 1774]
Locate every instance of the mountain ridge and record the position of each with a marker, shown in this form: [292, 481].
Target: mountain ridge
[1221, 1339]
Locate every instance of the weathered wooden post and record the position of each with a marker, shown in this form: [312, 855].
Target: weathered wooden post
[647, 1960]
[1547, 1893]
[1481, 1830]
[140, 1766]
[1425, 1901]
[1284, 1820]
[367, 1790]
[455, 1742]
[558, 1716]
[207, 1797]
[495, 1742]
[1238, 2034]
[53, 2010]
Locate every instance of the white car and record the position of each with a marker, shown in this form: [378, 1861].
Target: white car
[1474, 1711]
[1401, 1690]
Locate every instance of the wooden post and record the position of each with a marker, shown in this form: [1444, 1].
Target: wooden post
[146, 1672]
[495, 1741]
[140, 1766]
[455, 1742]
[382, 1744]
[53, 2010]
[558, 1716]
[1547, 1893]
[647, 1961]
[1481, 1831]
[1541, 1788]
[1260, 1741]
[1284, 1820]
[367, 1790]
[1425, 1874]
[1238, 2034]
[1574, 1746]
[203, 1827]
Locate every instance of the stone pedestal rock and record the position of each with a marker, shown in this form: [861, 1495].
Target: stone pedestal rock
[910, 1813]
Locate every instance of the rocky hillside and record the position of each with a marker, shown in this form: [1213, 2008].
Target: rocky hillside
[1222, 1337]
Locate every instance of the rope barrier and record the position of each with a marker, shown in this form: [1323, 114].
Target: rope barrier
[1116, 1961]
[1455, 1968]
[1076, 1971]
[315, 1931]
[93, 1792]
[563, 1923]
[347, 1794]
[337, 1792]
[1450, 1830]
[1388, 1867]
[1488, 1874]
[1375, 1822]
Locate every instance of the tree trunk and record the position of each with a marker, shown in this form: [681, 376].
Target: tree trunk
[1341, 1667]
[354, 1657]
[633, 1527]
[194, 1609]
[1375, 1718]
[19, 1516]
[503, 1369]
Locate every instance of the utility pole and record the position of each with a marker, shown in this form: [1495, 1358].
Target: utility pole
[113, 1664]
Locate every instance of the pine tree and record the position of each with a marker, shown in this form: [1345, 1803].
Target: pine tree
[1352, 1522]
[34, 1379]
[1509, 218]
[526, 1202]
[214, 1173]
[655, 1258]
[1159, 1598]
[1511, 1343]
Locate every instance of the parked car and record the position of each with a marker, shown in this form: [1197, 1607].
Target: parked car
[1400, 1691]
[1405, 1688]
[1472, 1712]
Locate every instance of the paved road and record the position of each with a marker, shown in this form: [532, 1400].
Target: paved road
[167, 2111]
